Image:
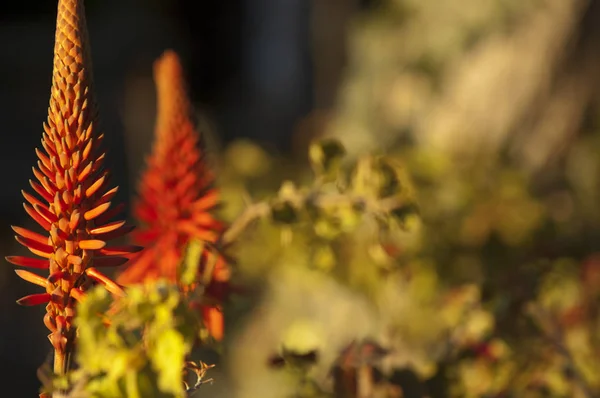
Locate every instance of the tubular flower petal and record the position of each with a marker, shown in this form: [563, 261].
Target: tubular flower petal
[70, 188]
[176, 196]
[34, 299]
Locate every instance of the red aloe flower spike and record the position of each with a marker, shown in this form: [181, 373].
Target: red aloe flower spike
[73, 206]
[176, 197]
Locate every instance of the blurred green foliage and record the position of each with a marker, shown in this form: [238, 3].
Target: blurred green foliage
[142, 351]
[451, 268]
[465, 268]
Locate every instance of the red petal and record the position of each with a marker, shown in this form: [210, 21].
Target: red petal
[41, 191]
[207, 201]
[120, 250]
[30, 234]
[37, 217]
[47, 214]
[109, 261]
[146, 237]
[206, 235]
[37, 263]
[31, 199]
[35, 245]
[34, 299]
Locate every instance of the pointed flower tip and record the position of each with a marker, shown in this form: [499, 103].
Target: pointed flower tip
[167, 63]
[34, 299]
[108, 283]
[71, 28]
[172, 100]
[31, 277]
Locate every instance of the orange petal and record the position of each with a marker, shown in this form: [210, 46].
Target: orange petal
[96, 211]
[30, 234]
[77, 294]
[41, 191]
[213, 320]
[37, 217]
[31, 277]
[107, 197]
[104, 218]
[35, 246]
[86, 170]
[45, 159]
[74, 220]
[95, 186]
[108, 227]
[92, 244]
[47, 214]
[108, 283]
[116, 233]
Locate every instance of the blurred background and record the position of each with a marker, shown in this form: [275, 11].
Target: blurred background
[492, 107]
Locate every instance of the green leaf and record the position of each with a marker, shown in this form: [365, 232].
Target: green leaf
[188, 270]
[167, 356]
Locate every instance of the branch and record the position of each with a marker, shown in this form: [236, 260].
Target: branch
[299, 199]
[249, 215]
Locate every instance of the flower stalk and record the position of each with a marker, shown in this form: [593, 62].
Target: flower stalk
[176, 199]
[72, 198]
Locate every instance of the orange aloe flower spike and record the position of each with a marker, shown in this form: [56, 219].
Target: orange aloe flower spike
[176, 196]
[71, 184]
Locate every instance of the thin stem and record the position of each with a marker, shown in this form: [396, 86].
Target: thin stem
[59, 362]
[250, 214]
[60, 369]
[259, 210]
[62, 361]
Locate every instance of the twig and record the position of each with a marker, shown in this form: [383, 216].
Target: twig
[249, 215]
[319, 198]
